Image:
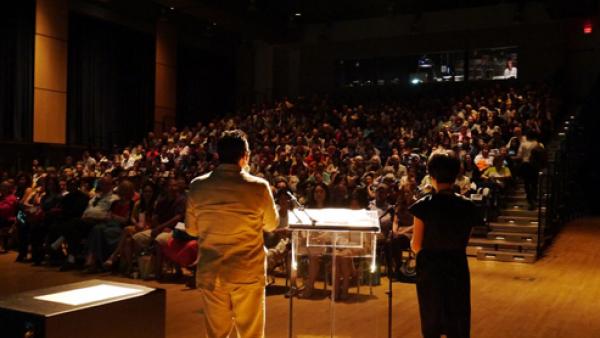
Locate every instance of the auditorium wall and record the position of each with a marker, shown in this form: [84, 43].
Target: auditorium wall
[50, 71]
[548, 48]
[110, 83]
[17, 31]
[165, 83]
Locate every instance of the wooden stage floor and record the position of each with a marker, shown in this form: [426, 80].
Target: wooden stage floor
[558, 296]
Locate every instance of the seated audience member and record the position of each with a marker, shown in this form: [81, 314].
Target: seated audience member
[318, 199]
[498, 175]
[463, 182]
[469, 168]
[23, 184]
[484, 159]
[105, 236]
[399, 237]
[180, 249]
[277, 241]
[169, 210]
[426, 187]
[383, 208]
[72, 206]
[8, 212]
[96, 212]
[127, 161]
[399, 169]
[141, 220]
[47, 212]
[38, 174]
[42, 213]
[32, 214]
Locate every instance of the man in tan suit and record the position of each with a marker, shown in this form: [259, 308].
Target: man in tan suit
[227, 210]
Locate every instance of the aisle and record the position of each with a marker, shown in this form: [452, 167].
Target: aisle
[555, 297]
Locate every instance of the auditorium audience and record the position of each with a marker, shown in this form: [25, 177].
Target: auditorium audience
[336, 152]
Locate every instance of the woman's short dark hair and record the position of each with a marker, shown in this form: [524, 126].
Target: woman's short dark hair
[232, 146]
[443, 168]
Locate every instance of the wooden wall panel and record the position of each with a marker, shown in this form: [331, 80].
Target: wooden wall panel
[51, 17]
[50, 63]
[166, 44]
[165, 96]
[166, 86]
[49, 109]
[50, 71]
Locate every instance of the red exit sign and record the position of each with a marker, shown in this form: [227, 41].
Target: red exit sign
[587, 27]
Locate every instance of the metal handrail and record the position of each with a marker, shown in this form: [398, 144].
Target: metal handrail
[552, 183]
[540, 201]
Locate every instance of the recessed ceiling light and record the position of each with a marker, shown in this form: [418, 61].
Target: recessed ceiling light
[172, 8]
[298, 14]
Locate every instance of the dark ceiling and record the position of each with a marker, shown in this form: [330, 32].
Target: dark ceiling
[279, 20]
[334, 10]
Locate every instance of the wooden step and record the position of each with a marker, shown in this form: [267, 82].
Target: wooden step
[525, 220]
[473, 251]
[516, 198]
[522, 205]
[514, 227]
[513, 236]
[519, 191]
[512, 211]
[506, 256]
[479, 231]
[499, 245]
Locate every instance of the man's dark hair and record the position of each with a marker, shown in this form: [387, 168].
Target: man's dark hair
[443, 168]
[531, 135]
[232, 146]
[281, 193]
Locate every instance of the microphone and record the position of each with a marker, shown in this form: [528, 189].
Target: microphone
[294, 199]
[301, 208]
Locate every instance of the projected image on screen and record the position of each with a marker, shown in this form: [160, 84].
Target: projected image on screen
[493, 64]
[439, 67]
[401, 70]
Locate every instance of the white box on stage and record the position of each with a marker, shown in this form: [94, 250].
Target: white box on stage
[92, 309]
[331, 237]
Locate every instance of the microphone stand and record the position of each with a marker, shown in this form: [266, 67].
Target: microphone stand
[388, 259]
[301, 208]
[292, 291]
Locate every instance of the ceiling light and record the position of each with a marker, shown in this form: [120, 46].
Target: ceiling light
[297, 14]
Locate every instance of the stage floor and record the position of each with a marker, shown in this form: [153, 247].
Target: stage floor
[556, 297]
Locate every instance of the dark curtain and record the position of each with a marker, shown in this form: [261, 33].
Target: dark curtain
[205, 85]
[17, 24]
[110, 83]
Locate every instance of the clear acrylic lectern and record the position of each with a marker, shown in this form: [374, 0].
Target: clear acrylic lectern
[329, 237]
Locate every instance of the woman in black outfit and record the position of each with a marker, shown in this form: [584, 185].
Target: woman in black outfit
[442, 226]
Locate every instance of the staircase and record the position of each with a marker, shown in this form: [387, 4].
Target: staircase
[512, 237]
